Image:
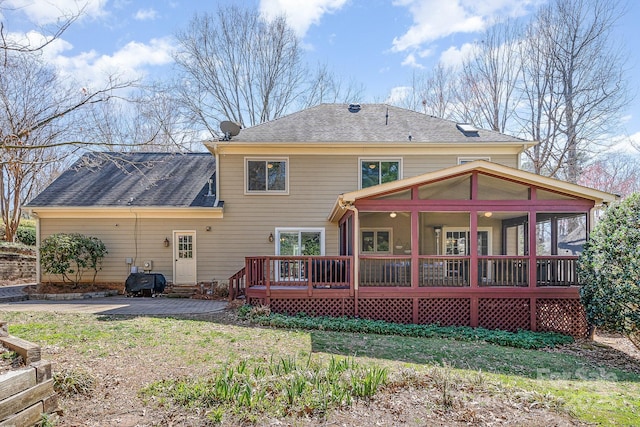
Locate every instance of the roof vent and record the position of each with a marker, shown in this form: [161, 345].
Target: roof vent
[354, 108]
[467, 129]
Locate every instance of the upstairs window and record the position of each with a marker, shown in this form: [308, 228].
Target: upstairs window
[374, 172]
[266, 175]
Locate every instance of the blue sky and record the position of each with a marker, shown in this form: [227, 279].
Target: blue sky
[378, 43]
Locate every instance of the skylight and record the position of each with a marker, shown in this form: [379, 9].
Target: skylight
[466, 128]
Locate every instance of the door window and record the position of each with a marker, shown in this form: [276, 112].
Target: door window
[185, 246]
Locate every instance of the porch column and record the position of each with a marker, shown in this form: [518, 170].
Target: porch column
[473, 248]
[415, 249]
[473, 233]
[533, 237]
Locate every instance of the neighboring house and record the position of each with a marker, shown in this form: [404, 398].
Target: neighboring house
[370, 211]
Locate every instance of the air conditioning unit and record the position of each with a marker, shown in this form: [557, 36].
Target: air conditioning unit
[147, 265]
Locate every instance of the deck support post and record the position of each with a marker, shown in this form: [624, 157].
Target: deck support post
[474, 311]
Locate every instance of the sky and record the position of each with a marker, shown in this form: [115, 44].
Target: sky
[378, 43]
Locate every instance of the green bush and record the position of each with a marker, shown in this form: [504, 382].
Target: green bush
[27, 235]
[72, 255]
[609, 267]
[520, 339]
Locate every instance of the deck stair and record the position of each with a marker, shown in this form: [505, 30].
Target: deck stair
[181, 291]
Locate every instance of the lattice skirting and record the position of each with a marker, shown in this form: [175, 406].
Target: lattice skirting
[334, 307]
[396, 310]
[508, 314]
[445, 311]
[562, 315]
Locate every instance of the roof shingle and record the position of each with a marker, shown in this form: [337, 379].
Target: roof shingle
[370, 123]
[133, 179]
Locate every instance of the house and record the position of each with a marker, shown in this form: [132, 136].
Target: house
[360, 210]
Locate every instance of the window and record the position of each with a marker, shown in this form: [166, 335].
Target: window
[374, 172]
[296, 242]
[266, 175]
[375, 240]
[465, 160]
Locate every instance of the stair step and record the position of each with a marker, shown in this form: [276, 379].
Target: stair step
[181, 291]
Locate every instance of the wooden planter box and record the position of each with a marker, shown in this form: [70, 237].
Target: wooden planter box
[26, 393]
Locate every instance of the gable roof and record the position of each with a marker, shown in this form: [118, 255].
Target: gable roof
[133, 179]
[366, 123]
[494, 169]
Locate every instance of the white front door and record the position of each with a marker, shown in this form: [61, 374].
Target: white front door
[184, 252]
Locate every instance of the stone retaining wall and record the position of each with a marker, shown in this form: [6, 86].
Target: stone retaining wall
[17, 267]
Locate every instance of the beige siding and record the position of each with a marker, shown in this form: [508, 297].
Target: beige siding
[315, 181]
[143, 241]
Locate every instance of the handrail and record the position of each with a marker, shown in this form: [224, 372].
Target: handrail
[237, 284]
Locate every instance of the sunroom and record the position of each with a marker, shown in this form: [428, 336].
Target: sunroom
[478, 244]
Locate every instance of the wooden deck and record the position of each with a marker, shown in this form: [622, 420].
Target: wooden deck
[502, 293]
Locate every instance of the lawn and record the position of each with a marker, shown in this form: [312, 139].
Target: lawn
[156, 371]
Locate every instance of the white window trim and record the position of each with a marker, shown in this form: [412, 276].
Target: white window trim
[375, 230]
[267, 192]
[462, 160]
[279, 230]
[378, 159]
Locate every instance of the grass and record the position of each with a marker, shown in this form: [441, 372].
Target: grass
[245, 372]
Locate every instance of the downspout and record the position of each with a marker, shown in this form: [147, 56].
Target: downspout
[216, 156]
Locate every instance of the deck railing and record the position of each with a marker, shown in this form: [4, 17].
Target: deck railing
[447, 271]
[510, 271]
[557, 271]
[385, 271]
[312, 272]
[335, 272]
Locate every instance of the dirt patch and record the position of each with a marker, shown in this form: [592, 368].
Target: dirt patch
[607, 350]
[456, 402]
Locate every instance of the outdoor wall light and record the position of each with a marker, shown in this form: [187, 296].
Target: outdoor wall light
[270, 237]
[166, 242]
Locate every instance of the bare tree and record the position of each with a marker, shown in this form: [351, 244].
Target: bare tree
[588, 78]
[39, 124]
[541, 103]
[326, 87]
[239, 67]
[49, 33]
[489, 77]
[433, 93]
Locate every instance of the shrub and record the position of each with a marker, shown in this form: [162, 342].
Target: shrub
[609, 267]
[71, 255]
[27, 235]
[519, 339]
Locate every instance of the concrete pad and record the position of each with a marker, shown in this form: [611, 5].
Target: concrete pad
[120, 305]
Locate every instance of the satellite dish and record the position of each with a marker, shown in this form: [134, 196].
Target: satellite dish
[229, 128]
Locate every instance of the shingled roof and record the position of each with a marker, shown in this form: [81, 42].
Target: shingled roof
[133, 179]
[366, 123]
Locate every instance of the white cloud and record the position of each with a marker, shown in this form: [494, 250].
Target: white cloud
[300, 18]
[43, 12]
[146, 14]
[398, 94]
[435, 19]
[626, 143]
[454, 56]
[129, 63]
[410, 61]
